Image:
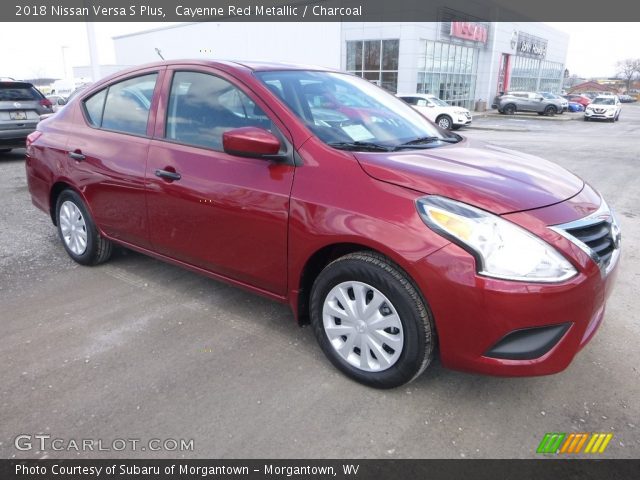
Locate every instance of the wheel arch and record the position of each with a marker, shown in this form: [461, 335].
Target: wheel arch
[56, 189]
[322, 257]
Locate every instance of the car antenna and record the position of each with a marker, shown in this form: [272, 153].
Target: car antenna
[159, 53]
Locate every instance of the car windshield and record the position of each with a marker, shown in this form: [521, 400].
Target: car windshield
[603, 101]
[438, 102]
[348, 112]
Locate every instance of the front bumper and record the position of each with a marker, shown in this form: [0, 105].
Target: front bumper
[606, 115]
[462, 120]
[477, 316]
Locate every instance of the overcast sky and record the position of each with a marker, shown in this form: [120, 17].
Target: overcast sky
[36, 49]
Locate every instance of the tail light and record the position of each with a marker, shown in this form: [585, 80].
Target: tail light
[45, 102]
[32, 137]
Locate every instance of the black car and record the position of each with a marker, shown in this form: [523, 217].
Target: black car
[21, 105]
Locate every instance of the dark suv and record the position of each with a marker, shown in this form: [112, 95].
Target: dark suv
[21, 105]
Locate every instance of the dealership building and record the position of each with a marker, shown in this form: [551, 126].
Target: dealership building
[460, 59]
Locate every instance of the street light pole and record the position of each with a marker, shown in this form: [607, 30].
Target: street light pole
[64, 60]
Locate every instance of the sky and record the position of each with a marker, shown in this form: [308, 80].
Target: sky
[594, 48]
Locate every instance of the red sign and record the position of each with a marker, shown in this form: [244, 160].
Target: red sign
[469, 31]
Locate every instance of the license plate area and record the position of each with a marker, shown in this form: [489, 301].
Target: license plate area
[19, 115]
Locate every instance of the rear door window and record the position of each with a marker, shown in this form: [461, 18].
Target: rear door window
[123, 106]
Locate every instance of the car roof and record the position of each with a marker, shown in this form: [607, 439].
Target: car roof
[16, 84]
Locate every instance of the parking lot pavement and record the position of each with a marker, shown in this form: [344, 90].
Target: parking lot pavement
[137, 349]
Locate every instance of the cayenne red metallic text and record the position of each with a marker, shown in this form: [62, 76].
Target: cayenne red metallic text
[389, 235]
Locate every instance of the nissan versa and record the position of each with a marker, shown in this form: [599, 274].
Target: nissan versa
[392, 237]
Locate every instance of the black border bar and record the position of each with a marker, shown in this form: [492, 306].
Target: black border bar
[462, 469]
[315, 10]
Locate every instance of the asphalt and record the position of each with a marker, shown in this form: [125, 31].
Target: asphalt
[137, 349]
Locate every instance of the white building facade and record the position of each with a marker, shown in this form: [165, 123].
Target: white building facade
[459, 61]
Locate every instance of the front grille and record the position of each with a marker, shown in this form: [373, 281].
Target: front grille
[597, 237]
[467, 114]
[599, 110]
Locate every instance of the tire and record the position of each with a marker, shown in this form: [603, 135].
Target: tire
[78, 232]
[550, 110]
[540, 113]
[444, 122]
[586, 119]
[509, 109]
[408, 326]
[5, 150]
[456, 127]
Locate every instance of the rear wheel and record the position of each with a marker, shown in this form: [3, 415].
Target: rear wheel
[444, 121]
[370, 321]
[78, 232]
[509, 109]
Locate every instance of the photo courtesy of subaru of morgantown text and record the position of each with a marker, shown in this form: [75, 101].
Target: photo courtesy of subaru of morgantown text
[396, 238]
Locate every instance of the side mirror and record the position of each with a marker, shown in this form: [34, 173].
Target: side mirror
[62, 101]
[250, 142]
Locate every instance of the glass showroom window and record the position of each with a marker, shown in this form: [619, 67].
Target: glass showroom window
[375, 60]
[532, 74]
[449, 72]
[551, 76]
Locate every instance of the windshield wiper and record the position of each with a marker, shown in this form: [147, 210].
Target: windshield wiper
[425, 140]
[361, 146]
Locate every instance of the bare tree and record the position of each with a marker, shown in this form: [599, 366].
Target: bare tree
[627, 69]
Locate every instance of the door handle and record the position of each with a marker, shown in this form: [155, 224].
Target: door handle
[168, 175]
[77, 156]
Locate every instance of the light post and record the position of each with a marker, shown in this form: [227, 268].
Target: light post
[64, 60]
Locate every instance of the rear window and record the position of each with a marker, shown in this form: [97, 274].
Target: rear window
[13, 92]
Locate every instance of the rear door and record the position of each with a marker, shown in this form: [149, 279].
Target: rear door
[109, 151]
[225, 214]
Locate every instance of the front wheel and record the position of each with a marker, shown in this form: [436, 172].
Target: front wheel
[444, 122]
[550, 110]
[78, 232]
[370, 321]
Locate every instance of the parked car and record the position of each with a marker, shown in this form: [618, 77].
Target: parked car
[439, 111]
[627, 98]
[577, 98]
[551, 96]
[512, 102]
[604, 107]
[389, 235]
[21, 105]
[57, 101]
[575, 107]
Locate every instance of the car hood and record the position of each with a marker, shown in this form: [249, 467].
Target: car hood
[489, 177]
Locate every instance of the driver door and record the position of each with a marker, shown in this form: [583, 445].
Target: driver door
[222, 213]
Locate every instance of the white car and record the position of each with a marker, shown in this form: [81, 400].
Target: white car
[604, 107]
[438, 111]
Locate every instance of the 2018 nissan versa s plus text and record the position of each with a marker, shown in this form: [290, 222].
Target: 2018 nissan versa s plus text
[317, 188]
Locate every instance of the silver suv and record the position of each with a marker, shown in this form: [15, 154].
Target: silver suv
[512, 102]
[21, 105]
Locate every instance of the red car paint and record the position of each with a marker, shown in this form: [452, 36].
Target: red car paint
[269, 226]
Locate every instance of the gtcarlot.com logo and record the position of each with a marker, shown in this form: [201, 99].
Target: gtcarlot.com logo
[554, 443]
[45, 442]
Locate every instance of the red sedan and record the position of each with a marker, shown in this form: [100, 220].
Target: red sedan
[388, 234]
[581, 99]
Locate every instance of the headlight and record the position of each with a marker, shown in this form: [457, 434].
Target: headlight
[501, 248]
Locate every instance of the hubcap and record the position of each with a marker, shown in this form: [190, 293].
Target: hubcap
[73, 228]
[363, 326]
[443, 123]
